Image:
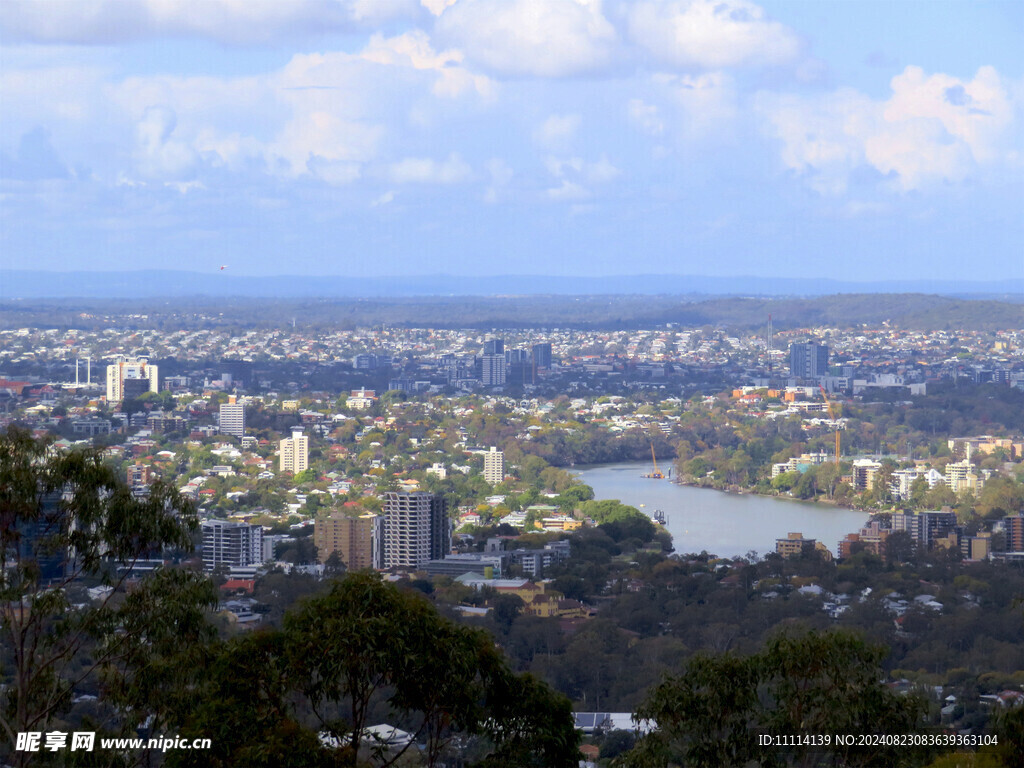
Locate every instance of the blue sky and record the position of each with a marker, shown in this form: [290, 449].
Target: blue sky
[849, 140]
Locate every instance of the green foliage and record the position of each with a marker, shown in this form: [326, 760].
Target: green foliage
[610, 511]
[712, 713]
[366, 641]
[65, 517]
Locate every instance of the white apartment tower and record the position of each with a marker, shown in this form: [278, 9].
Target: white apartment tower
[494, 466]
[295, 453]
[232, 418]
[131, 377]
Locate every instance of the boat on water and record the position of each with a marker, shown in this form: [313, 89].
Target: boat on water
[656, 474]
[658, 517]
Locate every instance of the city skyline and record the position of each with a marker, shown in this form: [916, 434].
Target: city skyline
[861, 142]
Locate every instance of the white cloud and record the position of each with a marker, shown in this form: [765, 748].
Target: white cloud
[940, 127]
[708, 101]
[437, 7]
[542, 38]
[384, 199]
[226, 21]
[932, 129]
[577, 177]
[413, 49]
[710, 34]
[645, 116]
[425, 170]
[321, 115]
[160, 154]
[501, 174]
[567, 190]
[557, 131]
[184, 187]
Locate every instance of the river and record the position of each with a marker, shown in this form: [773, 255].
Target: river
[724, 524]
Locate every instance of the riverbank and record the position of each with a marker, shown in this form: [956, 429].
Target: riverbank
[752, 492]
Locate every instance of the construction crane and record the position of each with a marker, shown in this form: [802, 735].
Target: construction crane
[831, 415]
[656, 474]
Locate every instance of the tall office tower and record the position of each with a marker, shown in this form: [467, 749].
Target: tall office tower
[808, 361]
[493, 370]
[355, 539]
[416, 529]
[232, 418]
[494, 466]
[231, 544]
[294, 452]
[129, 377]
[494, 347]
[542, 355]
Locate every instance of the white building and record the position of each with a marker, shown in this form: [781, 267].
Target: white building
[232, 418]
[361, 399]
[294, 453]
[131, 377]
[494, 466]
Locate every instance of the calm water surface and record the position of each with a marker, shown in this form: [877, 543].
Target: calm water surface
[724, 524]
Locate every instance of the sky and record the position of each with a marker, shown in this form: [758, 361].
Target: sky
[848, 140]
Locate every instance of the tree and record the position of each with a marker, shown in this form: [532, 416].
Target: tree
[65, 517]
[812, 683]
[368, 644]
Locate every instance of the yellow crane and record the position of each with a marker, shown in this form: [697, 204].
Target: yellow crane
[656, 474]
[831, 415]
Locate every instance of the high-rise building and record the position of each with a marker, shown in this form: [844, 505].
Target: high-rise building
[542, 355]
[494, 466]
[808, 361]
[232, 418]
[494, 347]
[926, 528]
[294, 452]
[231, 544]
[416, 529]
[357, 540]
[493, 370]
[129, 377]
[1013, 525]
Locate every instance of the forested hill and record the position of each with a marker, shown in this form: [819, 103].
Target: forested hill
[908, 311]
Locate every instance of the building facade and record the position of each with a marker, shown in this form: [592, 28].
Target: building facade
[232, 418]
[357, 540]
[542, 355]
[129, 377]
[808, 361]
[416, 529]
[926, 528]
[294, 453]
[494, 466]
[493, 370]
[1013, 525]
[231, 544]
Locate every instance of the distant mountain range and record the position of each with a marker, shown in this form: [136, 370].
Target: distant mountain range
[32, 284]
